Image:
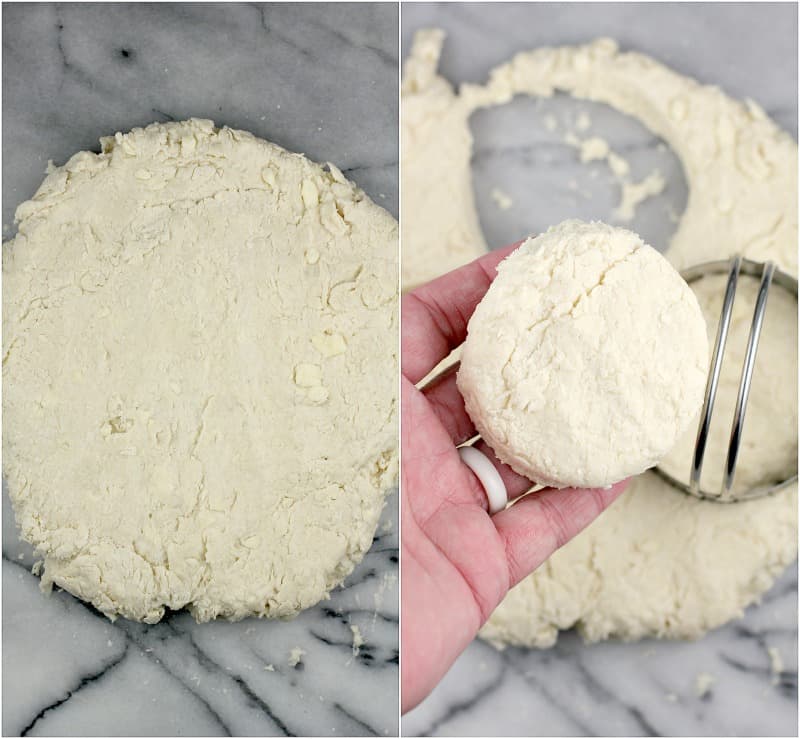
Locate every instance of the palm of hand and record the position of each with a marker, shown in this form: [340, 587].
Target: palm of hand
[454, 560]
[457, 561]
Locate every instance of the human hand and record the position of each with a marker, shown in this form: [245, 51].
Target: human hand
[459, 562]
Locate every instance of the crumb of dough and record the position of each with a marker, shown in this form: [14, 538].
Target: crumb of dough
[635, 193]
[619, 165]
[594, 148]
[703, 683]
[270, 667]
[501, 199]
[583, 122]
[775, 664]
[296, 656]
[358, 639]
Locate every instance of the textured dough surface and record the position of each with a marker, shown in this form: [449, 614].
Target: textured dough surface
[586, 359]
[199, 361]
[440, 229]
[657, 563]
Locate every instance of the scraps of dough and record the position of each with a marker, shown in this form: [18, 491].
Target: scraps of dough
[657, 563]
[199, 363]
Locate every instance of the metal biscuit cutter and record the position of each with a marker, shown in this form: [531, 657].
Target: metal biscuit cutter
[769, 274]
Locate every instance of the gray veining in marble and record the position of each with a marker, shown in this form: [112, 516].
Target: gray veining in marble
[315, 78]
[319, 79]
[608, 689]
[68, 671]
[647, 688]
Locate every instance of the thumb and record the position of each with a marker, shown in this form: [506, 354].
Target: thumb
[542, 522]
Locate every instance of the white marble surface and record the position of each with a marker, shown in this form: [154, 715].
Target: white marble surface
[613, 689]
[316, 79]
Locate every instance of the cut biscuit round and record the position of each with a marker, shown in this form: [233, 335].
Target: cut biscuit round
[586, 359]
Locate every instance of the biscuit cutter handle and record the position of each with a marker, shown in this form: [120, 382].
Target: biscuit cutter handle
[747, 375]
[713, 375]
[769, 274]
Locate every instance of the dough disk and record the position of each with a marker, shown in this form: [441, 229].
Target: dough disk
[586, 359]
[657, 563]
[199, 374]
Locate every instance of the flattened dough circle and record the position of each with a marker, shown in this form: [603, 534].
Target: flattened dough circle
[199, 374]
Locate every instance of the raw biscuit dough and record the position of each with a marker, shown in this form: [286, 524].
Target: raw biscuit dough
[199, 374]
[586, 359]
[440, 229]
[657, 563]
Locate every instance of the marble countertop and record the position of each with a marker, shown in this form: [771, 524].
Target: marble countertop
[317, 79]
[613, 689]
[320, 80]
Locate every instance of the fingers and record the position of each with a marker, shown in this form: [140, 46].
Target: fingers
[435, 315]
[448, 405]
[534, 527]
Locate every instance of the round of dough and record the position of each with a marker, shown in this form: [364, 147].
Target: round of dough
[199, 374]
[586, 359]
